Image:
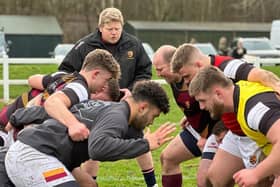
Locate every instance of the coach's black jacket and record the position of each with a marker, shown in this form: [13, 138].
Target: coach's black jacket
[129, 52]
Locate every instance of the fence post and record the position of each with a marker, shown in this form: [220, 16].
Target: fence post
[256, 61]
[6, 90]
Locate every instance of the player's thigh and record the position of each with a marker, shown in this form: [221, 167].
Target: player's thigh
[91, 167]
[224, 165]
[203, 167]
[227, 159]
[83, 178]
[182, 147]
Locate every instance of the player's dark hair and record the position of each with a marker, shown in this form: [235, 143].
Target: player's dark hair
[153, 93]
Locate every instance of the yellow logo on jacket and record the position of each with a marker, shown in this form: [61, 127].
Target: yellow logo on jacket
[130, 54]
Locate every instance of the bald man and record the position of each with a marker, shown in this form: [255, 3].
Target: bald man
[184, 146]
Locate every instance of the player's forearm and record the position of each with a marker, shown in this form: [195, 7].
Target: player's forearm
[104, 148]
[35, 81]
[26, 116]
[270, 165]
[59, 111]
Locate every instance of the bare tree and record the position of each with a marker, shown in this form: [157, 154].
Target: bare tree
[78, 18]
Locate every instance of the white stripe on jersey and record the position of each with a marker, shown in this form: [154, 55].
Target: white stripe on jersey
[79, 89]
[58, 73]
[232, 67]
[256, 114]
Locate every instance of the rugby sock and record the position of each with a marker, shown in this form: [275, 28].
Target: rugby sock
[172, 180]
[149, 176]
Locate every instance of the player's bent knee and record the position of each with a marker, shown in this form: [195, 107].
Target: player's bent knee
[165, 158]
[199, 182]
[202, 179]
[205, 183]
[211, 176]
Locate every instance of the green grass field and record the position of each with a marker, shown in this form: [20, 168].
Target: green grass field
[124, 173]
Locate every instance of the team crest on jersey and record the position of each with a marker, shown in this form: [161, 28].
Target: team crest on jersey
[130, 54]
[187, 104]
[253, 159]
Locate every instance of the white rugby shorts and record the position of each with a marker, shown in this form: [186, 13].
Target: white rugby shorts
[27, 167]
[244, 148]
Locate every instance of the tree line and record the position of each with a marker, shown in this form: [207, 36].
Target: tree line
[79, 17]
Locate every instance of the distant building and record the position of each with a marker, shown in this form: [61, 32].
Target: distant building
[176, 33]
[31, 36]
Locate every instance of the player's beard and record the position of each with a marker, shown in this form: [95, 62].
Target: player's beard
[140, 122]
[217, 110]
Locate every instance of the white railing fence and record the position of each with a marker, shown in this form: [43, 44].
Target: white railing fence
[7, 61]
[6, 82]
[258, 62]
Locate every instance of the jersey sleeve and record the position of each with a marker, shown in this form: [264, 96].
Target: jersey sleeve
[107, 140]
[236, 69]
[76, 91]
[29, 115]
[50, 78]
[47, 79]
[262, 111]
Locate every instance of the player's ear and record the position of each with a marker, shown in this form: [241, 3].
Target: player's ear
[94, 73]
[218, 92]
[142, 107]
[100, 28]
